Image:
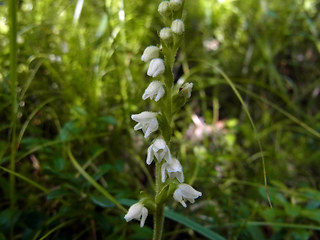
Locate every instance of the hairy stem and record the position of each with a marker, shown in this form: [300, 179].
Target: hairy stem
[158, 217]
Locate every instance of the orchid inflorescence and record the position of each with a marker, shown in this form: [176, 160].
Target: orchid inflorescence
[169, 174]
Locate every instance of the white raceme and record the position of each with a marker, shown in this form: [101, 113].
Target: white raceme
[160, 150]
[177, 26]
[154, 91]
[185, 192]
[137, 211]
[156, 67]
[150, 53]
[147, 121]
[173, 170]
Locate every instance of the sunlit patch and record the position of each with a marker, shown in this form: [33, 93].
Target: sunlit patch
[121, 15]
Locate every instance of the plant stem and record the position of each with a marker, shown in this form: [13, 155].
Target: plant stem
[13, 78]
[158, 217]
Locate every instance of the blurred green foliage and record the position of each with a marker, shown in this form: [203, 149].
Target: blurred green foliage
[80, 77]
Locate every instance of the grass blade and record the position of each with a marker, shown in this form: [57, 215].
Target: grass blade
[93, 182]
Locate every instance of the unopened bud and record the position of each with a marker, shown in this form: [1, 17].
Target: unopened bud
[165, 34]
[156, 67]
[164, 8]
[186, 90]
[177, 27]
[175, 5]
[150, 53]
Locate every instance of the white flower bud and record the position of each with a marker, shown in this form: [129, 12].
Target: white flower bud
[147, 121]
[177, 26]
[175, 5]
[154, 90]
[165, 34]
[186, 90]
[173, 169]
[150, 53]
[137, 211]
[160, 150]
[186, 192]
[156, 67]
[164, 8]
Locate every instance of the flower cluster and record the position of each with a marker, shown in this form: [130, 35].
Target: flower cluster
[151, 122]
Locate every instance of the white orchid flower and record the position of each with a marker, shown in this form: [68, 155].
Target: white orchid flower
[156, 67]
[174, 170]
[147, 121]
[185, 192]
[137, 211]
[160, 150]
[154, 91]
[150, 53]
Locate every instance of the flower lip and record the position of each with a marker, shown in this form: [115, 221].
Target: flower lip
[154, 91]
[137, 211]
[156, 67]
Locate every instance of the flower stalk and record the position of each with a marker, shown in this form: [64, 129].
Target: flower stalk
[168, 169]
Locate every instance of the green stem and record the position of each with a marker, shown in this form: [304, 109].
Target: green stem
[158, 217]
[13, 78]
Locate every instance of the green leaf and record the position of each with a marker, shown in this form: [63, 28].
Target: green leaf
[101, 200]
[193, 225]
[60, 192]
[108, 119]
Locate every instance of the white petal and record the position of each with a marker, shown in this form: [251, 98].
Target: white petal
[167, 155]
[143, 116]
[160, 94]
[137, 126]
[180, 177]
[183, 204]
[156, 67]
[150, 155]
[177, 195]
[153, 126]
[189, 192]
[163, 172]
[144, 214]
